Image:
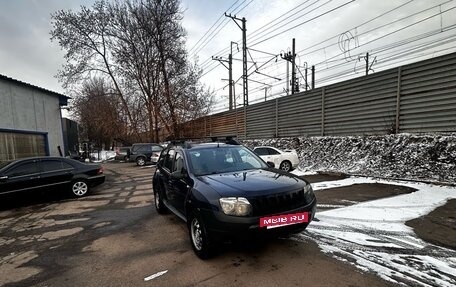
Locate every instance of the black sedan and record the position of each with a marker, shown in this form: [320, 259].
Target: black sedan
[225, 191]
[43, 173]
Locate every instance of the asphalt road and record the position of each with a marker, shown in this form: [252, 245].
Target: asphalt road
[114, 237]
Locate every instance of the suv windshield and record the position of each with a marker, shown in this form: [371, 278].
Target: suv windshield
[223, 159]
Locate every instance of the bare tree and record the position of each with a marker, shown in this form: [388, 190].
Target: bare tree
[95, 108]
[86, 39]
[139, 46]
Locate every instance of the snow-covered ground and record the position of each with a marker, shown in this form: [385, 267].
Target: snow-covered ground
[401, 156]
[373, 235]
[102, 155]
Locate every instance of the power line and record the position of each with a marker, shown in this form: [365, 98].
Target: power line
[373, 29]
[304, 22]
[221, 17]
[393, 32]
[265, 28]
[218, 30]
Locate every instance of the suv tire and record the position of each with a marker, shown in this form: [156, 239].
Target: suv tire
[199, 237]
[159, 205]
[141, 161]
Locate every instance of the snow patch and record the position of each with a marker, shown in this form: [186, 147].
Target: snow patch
[374, 236]
[401, 156]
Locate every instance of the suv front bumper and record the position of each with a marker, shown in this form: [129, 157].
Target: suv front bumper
[222, 227]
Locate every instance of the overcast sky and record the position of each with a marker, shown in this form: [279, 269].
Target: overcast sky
[27, 54]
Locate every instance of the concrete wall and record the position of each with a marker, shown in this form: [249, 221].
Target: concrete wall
[27, 109]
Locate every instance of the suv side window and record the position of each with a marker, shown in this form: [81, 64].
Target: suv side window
[179, 162]
[143, 149]
[169, 159]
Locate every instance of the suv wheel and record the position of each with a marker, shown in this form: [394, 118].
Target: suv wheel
[141, 161]
[199, 237]
[159, 205]
[285, 165]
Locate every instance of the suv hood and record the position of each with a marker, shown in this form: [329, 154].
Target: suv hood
[252, 182]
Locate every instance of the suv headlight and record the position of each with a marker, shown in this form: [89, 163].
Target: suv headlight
[308, 189]
[238, 206]
[308, 193]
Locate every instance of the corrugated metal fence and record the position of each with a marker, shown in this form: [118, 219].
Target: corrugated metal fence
[415, 98]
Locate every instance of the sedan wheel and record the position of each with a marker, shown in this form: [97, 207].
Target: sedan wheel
[285, 166]
[79, 188]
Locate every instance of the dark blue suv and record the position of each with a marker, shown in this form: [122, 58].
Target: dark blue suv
[225, 191]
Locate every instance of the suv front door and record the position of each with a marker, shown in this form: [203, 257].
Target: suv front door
[175, 185]
[178, 181]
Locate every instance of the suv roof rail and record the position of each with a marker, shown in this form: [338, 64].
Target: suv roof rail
[187, 142]
[227, 139]
[180, 142]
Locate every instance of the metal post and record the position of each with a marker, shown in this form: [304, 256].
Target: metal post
[244, 54]
[230, 80]
[288, 79]
[244, 61]
[313, 77]
[277, 118]
[398, 100]
[245, 122]
[323, 111]
[305, 78]
[293, 71]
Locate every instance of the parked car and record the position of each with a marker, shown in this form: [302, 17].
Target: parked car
[122, 153]
[43, 173]
[286, 160]
[225, 191]
[142, 153]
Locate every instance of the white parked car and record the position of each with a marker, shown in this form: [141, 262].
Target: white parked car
[285, 160]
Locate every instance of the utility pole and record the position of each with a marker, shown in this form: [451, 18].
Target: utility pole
[313, 77]
[232, 93]
[294, 87]
[230, 72]
[230, 80]
[291, 57]
[305, 78]
[369, 66]
[244, 54]
[288, 79]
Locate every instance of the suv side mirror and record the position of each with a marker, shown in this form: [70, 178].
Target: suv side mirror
[270, 164]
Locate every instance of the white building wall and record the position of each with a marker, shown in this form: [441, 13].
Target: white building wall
[27, 109]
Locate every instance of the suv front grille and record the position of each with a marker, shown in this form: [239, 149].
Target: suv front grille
[277, 203]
